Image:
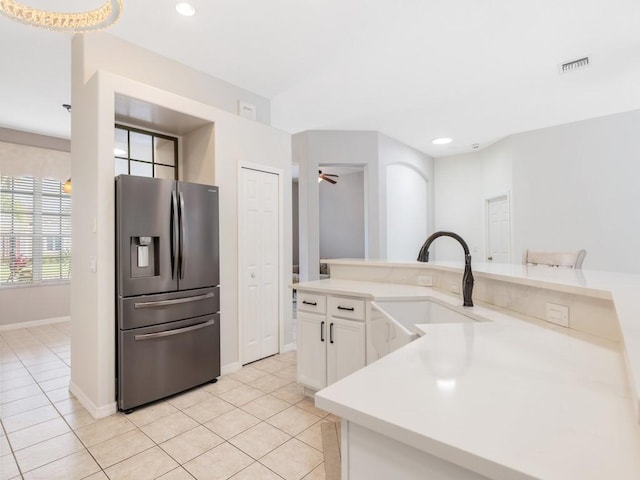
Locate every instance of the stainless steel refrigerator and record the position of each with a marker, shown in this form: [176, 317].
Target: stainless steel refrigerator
[167, 288]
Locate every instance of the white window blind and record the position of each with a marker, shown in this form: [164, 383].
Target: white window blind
[35, 231]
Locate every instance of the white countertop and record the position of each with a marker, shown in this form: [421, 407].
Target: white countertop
[506, 401]
[584, 282]
[622, 288]
[511, 400]
[369, 290]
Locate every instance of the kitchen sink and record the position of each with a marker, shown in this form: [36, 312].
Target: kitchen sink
[393, 323]
[408, 313]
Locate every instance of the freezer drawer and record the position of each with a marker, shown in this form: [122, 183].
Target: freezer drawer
[148, 310]
[155, 362]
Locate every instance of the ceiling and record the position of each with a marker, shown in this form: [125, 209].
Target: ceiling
[473, 70]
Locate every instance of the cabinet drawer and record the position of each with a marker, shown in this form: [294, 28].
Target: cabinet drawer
[309, 302]
[352, 308]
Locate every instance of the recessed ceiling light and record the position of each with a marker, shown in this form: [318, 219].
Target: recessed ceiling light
[442, 141]
[186, 9]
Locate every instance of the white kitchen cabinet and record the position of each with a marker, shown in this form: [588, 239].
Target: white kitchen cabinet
[312, 350]
[346, 348]
[330, 346]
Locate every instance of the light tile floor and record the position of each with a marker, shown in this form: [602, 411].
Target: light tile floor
[253, 424]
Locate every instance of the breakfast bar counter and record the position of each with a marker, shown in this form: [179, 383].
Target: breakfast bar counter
[508, 398]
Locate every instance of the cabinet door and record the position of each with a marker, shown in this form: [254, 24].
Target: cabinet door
[345, 350]
[312, 350]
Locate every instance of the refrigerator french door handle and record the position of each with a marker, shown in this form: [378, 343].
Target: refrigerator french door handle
[176, 331]
[183, 238]
[174, 235]
[175, 301]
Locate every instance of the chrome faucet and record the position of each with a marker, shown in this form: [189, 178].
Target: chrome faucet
[467, 277]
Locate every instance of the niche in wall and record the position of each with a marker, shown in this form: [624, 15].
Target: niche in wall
[196, 135]
[407, 217]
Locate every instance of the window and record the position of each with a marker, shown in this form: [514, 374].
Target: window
[146, 154]
[35, 231]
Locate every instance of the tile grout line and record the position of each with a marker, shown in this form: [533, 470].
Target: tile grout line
[6, 434]
[241, 408]
[320, 419]
[54, 407]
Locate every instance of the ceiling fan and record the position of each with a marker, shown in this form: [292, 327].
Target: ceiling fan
[325, 176]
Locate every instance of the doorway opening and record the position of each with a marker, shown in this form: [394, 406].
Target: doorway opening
[342, 213]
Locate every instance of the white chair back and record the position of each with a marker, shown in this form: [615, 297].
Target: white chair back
[554, 259]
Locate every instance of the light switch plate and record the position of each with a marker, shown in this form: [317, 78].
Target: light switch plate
[558, 314]
[425, 280]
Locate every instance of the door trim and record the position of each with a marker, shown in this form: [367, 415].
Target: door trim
[488, 200]
[281, 254]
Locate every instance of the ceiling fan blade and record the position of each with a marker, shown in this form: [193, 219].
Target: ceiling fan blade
[324, 177]
[330, 175]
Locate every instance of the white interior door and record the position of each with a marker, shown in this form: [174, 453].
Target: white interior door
[260, 286]
[498, 230]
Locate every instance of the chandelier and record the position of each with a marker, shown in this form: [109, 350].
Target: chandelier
[86, 21]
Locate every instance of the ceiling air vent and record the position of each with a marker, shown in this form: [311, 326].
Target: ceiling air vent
[574, 65]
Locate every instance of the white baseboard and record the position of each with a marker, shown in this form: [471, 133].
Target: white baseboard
[290, 347]
[230, 368]
[93, 409]
[33, 323]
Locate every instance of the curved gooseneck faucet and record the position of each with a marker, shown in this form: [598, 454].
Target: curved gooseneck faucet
[467, 277]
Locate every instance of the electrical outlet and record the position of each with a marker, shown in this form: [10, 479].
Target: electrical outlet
[455, 287]
[558, 314]
[425, 280]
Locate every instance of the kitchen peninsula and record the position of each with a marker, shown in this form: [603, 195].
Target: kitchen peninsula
[514, 397]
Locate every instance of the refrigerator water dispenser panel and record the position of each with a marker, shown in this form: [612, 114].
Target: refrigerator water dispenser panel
[144, 256]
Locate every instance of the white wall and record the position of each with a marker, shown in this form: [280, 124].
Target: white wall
[374, 152]
[572, 186]
[463, 183]
[313, 148]
[406, 198]
[148, 67]
[295, 223]
[237, 140]
[577, 186]
[30, 303]
[342, 217]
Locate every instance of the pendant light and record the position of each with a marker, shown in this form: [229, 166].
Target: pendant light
[101, 17]
[66, 186]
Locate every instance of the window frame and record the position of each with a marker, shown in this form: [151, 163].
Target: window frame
[153, 162]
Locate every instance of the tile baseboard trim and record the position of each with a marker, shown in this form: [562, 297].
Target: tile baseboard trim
[290, 347]
[34, 323]
[230, 368]
[95, 411]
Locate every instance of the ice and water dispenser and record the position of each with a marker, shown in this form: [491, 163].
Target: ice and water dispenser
[144, 256]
